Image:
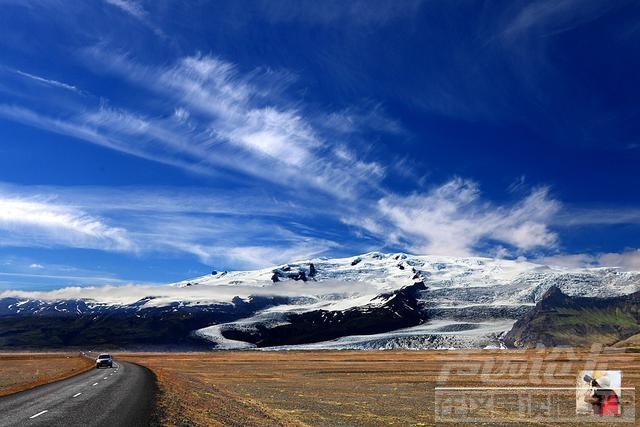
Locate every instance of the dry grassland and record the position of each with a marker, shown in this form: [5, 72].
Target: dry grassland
[351, 388]
[21, 371]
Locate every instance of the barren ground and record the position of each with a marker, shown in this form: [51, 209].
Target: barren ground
[20, 371]
[358, 388]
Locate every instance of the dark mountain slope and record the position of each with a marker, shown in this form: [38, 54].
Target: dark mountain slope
[559, 319]
[76, 324]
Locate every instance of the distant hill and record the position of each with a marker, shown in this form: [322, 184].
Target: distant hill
[560, 319]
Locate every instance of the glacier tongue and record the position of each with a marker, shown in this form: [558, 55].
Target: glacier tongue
[436, 334]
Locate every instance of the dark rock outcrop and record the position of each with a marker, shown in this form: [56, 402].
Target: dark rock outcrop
[312, 270]
[286, 273]
[300, 275]
[387, 312]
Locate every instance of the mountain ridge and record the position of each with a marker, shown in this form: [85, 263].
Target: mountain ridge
[457, 302]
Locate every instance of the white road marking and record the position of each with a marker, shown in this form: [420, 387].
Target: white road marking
[39, 413]
[95, 383]
[77, 394]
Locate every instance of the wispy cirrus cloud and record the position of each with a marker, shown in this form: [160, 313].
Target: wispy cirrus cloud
[364, 118]
[32, 222]
[86, 279]
[553, 16]
[95, 127]
[239, 113]
[48, 82]
[132, 7]
[214, 228]
[454, 219]
[19, 272]
[135, 9]
[236, 241]
[581, 216]
[216, 119]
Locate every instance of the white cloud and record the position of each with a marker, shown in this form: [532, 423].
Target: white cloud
[22, 273]
[279, 135]
[453, 219]
[129, 293]
[518, 184]
[235, 241]
[262, 256]
[367, 117]
[131, 7]
[525, 225]
[242, 124]
[575, 216]
[553, 16]
[135, 9]
[181, 114]
[29, 222]
[108, 128]
[216, 228]
[66, 277]
[48, 82]
[225, 122]
[627, 261]
[214, 88]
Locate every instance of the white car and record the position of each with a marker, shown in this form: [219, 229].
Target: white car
[104, 360]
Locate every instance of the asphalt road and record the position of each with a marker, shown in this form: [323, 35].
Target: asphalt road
[118, 396]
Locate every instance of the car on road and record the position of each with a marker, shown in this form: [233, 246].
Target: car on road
[104, 360]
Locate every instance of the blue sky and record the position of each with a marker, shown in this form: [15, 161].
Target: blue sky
[152, 141]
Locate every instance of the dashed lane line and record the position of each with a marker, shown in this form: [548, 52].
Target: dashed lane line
[39, 413]
[74, 396]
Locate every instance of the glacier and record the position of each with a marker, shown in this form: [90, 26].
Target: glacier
[467, 302]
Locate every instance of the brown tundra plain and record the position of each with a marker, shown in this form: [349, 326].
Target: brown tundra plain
[346, 388]
[21, 371]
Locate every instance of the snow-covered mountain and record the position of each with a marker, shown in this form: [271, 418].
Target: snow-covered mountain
[370, 301]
